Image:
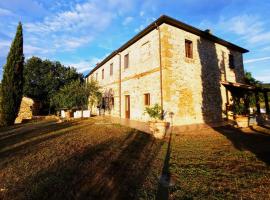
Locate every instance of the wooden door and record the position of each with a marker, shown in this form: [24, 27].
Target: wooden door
[127, 106]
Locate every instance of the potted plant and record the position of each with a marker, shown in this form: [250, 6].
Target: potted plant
[240, 112]
[157, 126]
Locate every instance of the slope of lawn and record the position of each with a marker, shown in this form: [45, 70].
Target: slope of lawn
[95, 159]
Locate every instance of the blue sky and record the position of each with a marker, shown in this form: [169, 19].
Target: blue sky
[82, 32]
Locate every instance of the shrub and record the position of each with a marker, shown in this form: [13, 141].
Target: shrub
[154, 112]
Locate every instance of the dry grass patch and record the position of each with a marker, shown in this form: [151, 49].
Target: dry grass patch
[93, 159]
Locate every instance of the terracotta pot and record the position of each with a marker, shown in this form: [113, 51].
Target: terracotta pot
[158, 128]
[242, 121]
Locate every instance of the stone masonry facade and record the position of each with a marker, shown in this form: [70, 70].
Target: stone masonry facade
[189, 88]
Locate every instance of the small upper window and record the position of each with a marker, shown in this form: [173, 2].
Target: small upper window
[126, 61]
[96, 76]
[111, 69]
[188, 49]
[231, 61]
[147, 99]
[102, 73]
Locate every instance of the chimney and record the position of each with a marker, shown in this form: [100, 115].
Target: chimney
[208, 31]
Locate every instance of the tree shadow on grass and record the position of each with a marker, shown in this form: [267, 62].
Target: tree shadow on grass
[256, 142]
[27, 133]
[27, 140]
[113, 169]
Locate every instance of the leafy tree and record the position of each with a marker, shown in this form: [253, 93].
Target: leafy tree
[93, 93]
[12, 83]
[43, 79]
[249, 79]
[71, 96]
[77, 95]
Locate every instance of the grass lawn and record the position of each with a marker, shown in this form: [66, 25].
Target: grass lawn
[94, 159]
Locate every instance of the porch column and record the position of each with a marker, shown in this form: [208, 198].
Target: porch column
[266, 102]
[257, 102]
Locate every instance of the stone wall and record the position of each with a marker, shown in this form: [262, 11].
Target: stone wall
[142, 76]
[191, 87]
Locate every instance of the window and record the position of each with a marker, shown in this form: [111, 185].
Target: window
[111, 69]
[96, 76]
[126, 61]
[102, 73]
[147, 99]
[188, 48]
[231, 61]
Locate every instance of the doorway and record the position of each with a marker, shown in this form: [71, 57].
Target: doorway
[127, 106]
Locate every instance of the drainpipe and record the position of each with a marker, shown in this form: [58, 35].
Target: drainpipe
[119, 84]
[225, 79]
[160, 69]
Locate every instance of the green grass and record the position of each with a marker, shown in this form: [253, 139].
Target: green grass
[89, 160]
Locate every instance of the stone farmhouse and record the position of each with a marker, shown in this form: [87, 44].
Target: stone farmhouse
[175, 65]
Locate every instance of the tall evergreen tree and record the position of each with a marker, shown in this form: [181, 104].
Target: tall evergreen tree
[12, 83]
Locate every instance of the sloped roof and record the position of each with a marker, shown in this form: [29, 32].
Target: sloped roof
[175, 23]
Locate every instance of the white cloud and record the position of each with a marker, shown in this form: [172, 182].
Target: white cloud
[4, 46]
[5, 12]
[127, 20]
[73, 28]
[30, 50]
[84, 65]
[146, 22]
[88, 15]
[140, 28]
[251, 28]
[71, 43]
[257, 59]
[141, 13]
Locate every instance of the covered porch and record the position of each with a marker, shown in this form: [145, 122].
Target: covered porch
[240, 90]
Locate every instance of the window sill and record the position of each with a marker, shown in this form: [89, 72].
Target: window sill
[189, 60]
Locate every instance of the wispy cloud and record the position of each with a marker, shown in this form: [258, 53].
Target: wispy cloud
[127, 20]
[5, 12]
[257, 59]
[4, 46]
[84, 66]
[74, 28]
[81, 16]
[251, 28]
[145, 23]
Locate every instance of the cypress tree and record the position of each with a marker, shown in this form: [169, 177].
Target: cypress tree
[12, 83]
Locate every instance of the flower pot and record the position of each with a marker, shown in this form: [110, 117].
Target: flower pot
[158, 128]
[242, 121]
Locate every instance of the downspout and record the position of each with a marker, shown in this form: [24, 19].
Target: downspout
[226, 90]
[160, 69]
[119, 84]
